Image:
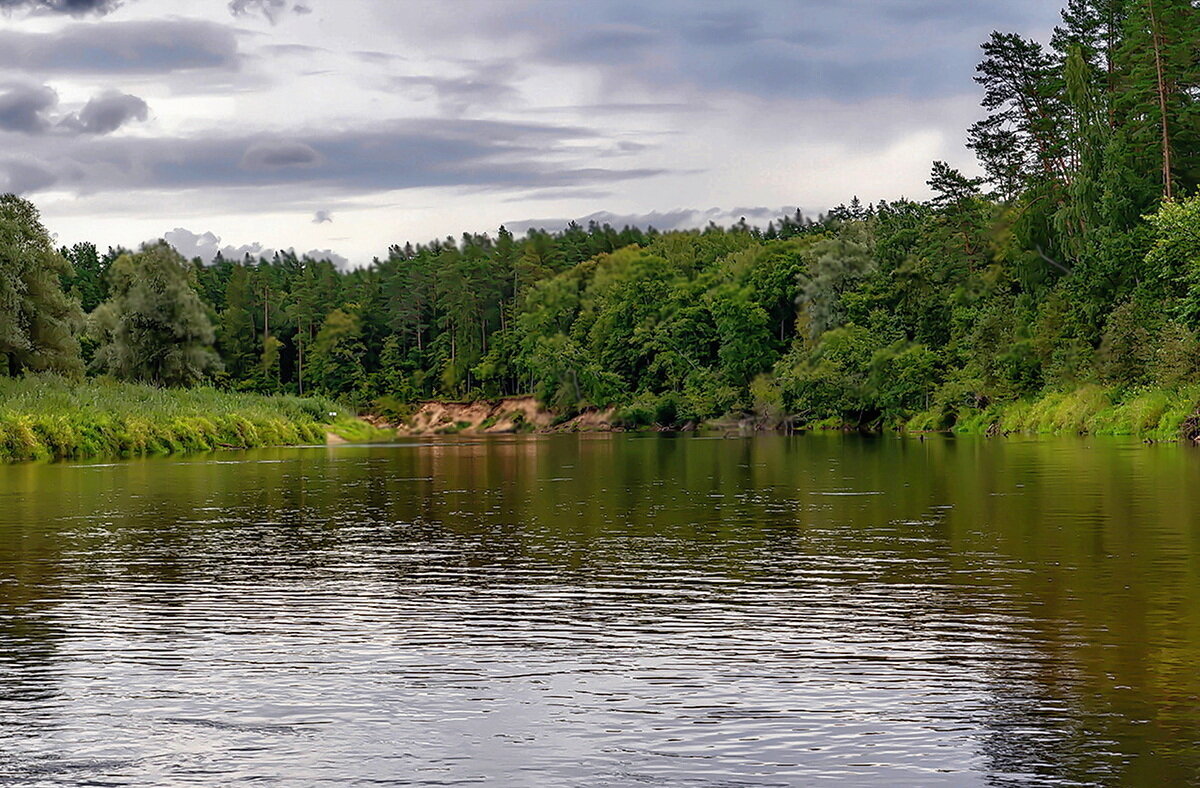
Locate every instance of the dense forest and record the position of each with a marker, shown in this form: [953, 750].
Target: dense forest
[1074, 261]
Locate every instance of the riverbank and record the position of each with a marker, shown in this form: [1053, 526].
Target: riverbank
[501, 416]
[1153, 414]
[48, 418]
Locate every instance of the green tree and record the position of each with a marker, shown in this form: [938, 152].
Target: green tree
[86, 282]
[38, 321]
[237, 336]
[154, 327]
[336, 360]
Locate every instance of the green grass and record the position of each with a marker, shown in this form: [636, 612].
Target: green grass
[48, 418]
[1157, 414]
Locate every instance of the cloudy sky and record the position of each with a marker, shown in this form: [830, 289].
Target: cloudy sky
[349, 125]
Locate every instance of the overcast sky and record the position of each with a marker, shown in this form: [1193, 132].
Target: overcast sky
[349, 125]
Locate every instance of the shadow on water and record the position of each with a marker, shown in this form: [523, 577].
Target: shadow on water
[608, 609]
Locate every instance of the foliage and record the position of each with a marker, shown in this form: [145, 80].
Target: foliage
[154, 327]
[47, 417]
[38, 322]
[1055, 292]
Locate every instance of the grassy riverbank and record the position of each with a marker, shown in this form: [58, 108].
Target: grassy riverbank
[1156, 414]
[43, 417]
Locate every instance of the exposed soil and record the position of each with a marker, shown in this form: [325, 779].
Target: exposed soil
[490, 417]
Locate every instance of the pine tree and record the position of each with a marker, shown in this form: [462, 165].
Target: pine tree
[1158, 100]
[1019, 142]
[237, 336]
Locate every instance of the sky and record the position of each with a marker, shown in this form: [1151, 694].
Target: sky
[341, 127]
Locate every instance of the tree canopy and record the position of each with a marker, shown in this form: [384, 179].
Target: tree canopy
[1072, 259]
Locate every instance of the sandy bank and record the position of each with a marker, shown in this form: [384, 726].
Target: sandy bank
[500, 416]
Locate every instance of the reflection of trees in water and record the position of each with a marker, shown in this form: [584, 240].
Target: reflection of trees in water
[1095, 552]
[1064, 574]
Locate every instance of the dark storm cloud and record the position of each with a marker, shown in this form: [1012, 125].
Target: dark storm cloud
[403, 155]
[149, 47]
[73, 7]
[24, 108]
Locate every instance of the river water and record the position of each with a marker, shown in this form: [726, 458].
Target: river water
[606, 611]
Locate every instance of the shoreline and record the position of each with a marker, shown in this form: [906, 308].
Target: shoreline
[1154, 415]
[47, 418]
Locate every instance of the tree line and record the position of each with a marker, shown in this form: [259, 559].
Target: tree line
[1075, 259]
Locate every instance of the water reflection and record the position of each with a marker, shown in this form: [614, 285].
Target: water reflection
[607, 610]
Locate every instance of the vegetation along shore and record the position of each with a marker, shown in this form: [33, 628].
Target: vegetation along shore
[1058, 291]
[47, 417]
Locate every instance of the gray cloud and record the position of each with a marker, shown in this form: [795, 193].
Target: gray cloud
[27, 109]
[208, 244]
[108, 112]
[322, 216]
[279, 155]
[771, 48]
[149, 47]
[23, 108]
[72, 7]
[21, 177]
[271, 9]
[400, 155]
[485, 83]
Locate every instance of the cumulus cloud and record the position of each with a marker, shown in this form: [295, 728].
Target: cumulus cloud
[207, 245]
[24, 108]
[135, 47]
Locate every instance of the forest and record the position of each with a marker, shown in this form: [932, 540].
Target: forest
[1067, 273]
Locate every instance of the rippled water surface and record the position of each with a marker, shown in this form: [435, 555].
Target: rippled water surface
[609, 610]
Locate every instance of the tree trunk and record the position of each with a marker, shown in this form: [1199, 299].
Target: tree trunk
[1168, 192]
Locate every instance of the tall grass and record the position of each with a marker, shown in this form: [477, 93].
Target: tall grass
[1158, 414]
[46, 417]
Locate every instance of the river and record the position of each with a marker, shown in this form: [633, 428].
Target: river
[606, 610]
